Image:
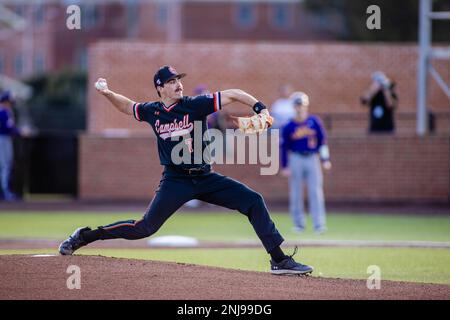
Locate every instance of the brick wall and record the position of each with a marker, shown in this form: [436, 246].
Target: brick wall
[70, 44]
[219, 20]
[334, 75]
[365, 169]
[150, 20]
[59, 47]
[35, 39]
[398, 168]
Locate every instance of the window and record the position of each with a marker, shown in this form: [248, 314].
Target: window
[90, 15]
[39, 62]
[39, 13]
[2, 63]
[281, 15]
[132, 17]
[245, 15]
[162, 14]
[81, 59]
[18, 64]
[19, 9]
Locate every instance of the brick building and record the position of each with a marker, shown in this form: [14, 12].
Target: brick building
[46, 44]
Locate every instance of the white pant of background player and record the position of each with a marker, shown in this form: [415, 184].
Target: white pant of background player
[306, 168]
[6, 159]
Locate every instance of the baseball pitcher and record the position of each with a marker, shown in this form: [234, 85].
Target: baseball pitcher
[173, 116]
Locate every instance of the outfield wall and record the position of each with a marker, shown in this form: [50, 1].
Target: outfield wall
[398, 169]
[333, 74]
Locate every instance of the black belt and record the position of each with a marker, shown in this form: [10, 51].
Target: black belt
[193, 171]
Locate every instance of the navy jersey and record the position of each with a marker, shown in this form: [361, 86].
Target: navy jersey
[305, 137]
[175, 124]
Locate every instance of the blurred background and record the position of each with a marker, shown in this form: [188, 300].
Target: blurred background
[75, 146]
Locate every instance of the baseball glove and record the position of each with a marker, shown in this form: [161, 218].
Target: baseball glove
[255, 124]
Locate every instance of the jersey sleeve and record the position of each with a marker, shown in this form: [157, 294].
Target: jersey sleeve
[141, 111]
[204, 105]
[321, 133]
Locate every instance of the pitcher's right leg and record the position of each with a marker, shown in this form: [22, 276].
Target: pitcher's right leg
[170, 195]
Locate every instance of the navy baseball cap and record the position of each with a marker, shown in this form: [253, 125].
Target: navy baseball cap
[6, 96]
[166, 73]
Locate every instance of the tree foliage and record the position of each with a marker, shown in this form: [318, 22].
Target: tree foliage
[59, 101]
[399, 19]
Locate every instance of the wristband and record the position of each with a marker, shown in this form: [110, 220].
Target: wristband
[324, 153]
[258, 107]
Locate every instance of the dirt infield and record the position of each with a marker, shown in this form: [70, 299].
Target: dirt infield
[29, 277]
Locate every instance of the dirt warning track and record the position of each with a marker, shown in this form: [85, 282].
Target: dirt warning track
[45, 277]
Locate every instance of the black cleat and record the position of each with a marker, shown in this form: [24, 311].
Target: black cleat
[290, 267]
[74, 242]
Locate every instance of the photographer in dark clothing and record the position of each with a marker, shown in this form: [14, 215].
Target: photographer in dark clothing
[382, 100]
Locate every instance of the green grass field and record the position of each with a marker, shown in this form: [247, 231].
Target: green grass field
[405, 264]
[230, 226]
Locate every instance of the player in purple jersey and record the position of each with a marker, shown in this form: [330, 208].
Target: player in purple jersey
[7, 131]
[173, 119]
[304, 149]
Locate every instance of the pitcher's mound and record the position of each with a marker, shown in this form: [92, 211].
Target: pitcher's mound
[46, 277]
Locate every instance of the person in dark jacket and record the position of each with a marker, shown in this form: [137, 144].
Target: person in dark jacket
[382, 100]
